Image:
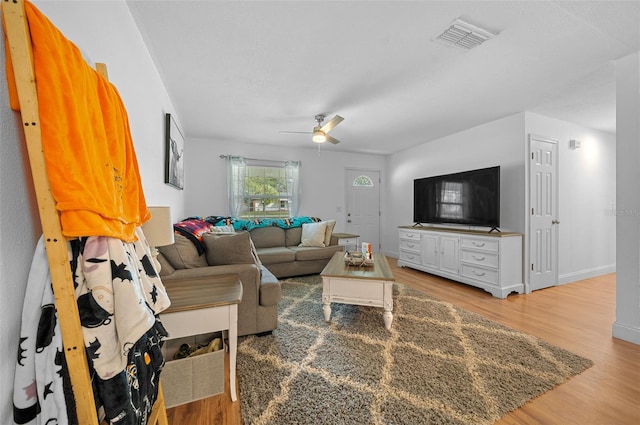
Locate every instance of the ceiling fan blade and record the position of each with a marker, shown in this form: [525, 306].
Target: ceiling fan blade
[295, 132]
[332, 140]
[332, 123]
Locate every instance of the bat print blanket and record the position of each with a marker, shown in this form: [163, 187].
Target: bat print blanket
[119, 296]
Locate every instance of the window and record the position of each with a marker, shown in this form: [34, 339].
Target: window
[263, 189]
[363, 181]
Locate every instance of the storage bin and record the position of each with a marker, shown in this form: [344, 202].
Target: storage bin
[192, 378]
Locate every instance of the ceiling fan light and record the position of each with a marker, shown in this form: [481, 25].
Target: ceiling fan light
[319, 137]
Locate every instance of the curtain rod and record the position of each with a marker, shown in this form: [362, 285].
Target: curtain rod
[257, 160]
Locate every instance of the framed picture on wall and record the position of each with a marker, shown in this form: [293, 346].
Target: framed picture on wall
[174, 154]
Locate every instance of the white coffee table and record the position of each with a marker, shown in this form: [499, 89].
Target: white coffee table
[358, 285]
[204, 305]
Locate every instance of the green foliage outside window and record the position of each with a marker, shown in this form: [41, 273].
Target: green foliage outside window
[265, 193]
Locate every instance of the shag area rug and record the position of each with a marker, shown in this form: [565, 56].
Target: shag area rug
[438, 364]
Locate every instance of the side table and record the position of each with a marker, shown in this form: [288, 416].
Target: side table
[347, 239]
[204, 305]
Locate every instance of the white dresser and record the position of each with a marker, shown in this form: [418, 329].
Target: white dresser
[491, 261]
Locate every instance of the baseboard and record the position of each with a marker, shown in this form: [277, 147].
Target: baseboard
[626, 332]
[586, 274]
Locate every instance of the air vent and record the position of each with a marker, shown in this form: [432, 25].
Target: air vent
[463, 35]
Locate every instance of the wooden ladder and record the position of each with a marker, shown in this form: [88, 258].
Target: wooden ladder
[19, 45]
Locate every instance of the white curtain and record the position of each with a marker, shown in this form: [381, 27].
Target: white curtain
[236, 166]
[292, 174]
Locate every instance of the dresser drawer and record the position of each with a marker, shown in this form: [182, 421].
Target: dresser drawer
[410, 245]
[483, 258]
[478, 273]
[410, 235]
[347, 241]
[410, 256]
[485, 244]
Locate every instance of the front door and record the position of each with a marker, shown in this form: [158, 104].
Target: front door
[543, 221]
[363, 205]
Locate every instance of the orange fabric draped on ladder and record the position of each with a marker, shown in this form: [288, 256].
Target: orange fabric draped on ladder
[90, 158]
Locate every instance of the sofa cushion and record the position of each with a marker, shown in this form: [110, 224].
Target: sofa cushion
[265, 237]
[331, 224]
[304, 253]
[183, 254]
[313, 234]
[228, 248]
[165, 266]
[275, 255]
[293, 236]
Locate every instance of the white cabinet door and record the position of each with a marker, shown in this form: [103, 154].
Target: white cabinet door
[449, 254]
[430, 251]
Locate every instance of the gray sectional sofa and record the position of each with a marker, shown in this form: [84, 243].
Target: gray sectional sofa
[279, 250]
[259, 257]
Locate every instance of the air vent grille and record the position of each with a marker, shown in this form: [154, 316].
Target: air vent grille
[463, 35]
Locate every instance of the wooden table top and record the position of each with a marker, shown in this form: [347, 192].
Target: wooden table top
[203, 292]
[338, 268]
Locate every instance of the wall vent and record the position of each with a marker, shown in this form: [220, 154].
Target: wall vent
[463, 35]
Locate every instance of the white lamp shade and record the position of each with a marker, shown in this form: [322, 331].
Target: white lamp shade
[159, 229]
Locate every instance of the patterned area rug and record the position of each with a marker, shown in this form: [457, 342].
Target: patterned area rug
[438, 364]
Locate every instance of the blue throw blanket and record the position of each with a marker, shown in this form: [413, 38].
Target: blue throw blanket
[194, 227]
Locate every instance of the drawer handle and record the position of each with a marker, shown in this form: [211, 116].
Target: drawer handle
[477, 243]
[478, 258]
[478, 274]
[411, 257]
[410, 235]
[410, 245]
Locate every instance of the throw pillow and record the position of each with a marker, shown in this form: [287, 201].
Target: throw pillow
[183, 254]
[313, 234]
[165, 267]
[327, 235]
[222, 229]
[228, 248]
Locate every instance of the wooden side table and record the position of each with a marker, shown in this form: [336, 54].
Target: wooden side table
[347, 239]
[204, 305]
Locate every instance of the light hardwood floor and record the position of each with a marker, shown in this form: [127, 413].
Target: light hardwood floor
[576, 316]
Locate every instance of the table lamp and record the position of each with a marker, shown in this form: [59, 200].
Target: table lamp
[158, 231]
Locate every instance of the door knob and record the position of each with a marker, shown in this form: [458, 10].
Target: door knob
[555, 221]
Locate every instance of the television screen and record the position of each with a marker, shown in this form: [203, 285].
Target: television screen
[470, 198]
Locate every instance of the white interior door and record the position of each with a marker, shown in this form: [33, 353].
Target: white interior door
[543, 221]
[363, 205]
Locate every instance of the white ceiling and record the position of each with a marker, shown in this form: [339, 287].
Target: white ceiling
[241, 71]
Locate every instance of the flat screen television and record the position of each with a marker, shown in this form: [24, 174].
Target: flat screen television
[470, 198]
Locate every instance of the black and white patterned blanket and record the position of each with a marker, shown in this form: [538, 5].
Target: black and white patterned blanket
[119, 295]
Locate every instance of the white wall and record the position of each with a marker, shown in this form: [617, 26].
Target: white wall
[322, 176]
[627, 324]
[587, 186]
[500, 142]
[106, 32]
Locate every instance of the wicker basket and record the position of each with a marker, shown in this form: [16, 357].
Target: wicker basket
[357, 258]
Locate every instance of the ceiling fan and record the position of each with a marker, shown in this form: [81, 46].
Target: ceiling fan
[320, 131]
